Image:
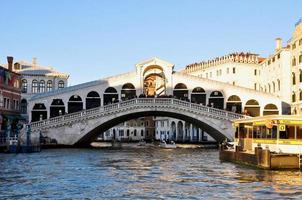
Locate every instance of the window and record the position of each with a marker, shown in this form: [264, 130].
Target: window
[300, 42]
[278, 84]
[42, 86]
[273, 59]
[278, 56]
[269, 62]
[24, 86]
[228, 70]
[294, 78]
[293, 97]
[61, 84]
[300, 96]
[255, 86]
[35, 86]
[300, 76]
[294, 46]
[300, 59]
[233, 82]
[49, 86]
[274, 87]
[1, 100]
[142, 133]
[234, 70]
[255, 72]
[294, 62]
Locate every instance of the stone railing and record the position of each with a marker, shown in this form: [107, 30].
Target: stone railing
[133, 104]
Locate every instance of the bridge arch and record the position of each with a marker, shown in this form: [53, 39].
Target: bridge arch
[57, 108]
[181, 91]
[38, 112]
[110, 95]
[252, 108]
[234, 104]
[128, 92]
[270, 109]
[199, 96]
[75, 104]
[214, 129]
[216, 99]
[93, 100]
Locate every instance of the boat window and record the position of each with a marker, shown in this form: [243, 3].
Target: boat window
[291, 132]
[299, 132]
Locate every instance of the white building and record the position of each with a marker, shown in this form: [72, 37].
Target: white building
[38, 79]
[132, 130]
[170, 129]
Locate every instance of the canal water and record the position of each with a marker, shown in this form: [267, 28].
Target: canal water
[146, 173]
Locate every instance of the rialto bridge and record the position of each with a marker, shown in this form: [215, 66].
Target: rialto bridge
[77, 114]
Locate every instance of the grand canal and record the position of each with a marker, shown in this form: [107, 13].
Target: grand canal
[147, 173]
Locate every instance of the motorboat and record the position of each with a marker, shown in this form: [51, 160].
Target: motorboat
[167, 145]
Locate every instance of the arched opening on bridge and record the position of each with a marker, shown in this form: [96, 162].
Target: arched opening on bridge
[75, 104]
[110, 96]
[180, 131]
[270, 109]
[39, 112]
[93, 100]
[199, 96]
[252, 108]
[180, 91]
[234, 104]
[187, 131]
[23, 106]
[216, 100]
[154, 81]
[128, 92]
[173, 128]
[57, 108]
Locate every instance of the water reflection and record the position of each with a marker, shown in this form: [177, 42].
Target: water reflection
[148, 173]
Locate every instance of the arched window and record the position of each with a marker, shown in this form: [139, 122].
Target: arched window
[49, 86]
[24, 86]
[93, 100]
[270, 109]
[128, 91]
[42, 86]
[110, 96]
[294, 78]
[294, 62]
[23, 106]
[216, 100]
[180, 91]
[35, 86]
[61, 84]
[294, 97]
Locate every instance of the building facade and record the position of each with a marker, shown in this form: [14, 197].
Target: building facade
[279, 74]
[10, 98]
[37, 79]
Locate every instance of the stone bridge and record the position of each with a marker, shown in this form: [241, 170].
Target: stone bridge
[81, 128]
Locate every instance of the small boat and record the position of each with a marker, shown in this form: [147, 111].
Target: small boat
[170, 145]
[142, 143]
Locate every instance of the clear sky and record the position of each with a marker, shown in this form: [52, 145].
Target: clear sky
[91, 39]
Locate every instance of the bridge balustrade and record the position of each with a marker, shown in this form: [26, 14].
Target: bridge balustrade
[134, 102]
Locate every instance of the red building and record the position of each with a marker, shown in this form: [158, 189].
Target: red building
[10, 97]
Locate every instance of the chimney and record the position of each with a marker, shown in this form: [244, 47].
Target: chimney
[10, 60]
[278, 44]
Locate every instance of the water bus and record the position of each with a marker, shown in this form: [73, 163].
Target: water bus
[269, 142]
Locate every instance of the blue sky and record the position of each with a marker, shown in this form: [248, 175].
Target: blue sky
[91, 39]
